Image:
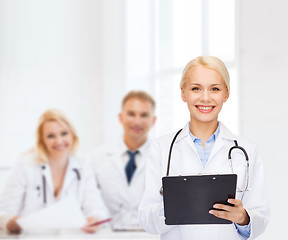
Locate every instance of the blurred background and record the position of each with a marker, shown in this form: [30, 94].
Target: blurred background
[83, 56]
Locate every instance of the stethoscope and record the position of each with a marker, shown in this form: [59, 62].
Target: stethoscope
[44, 182]
[229, 159]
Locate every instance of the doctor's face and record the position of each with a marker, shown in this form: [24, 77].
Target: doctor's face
[205, 92]
[57, 139]
[137, 117]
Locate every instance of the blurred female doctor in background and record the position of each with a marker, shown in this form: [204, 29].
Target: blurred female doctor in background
[49, 173]
[202, 147]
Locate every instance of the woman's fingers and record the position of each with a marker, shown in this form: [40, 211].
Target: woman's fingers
[13, 227]
[89, 227]
[235, 213]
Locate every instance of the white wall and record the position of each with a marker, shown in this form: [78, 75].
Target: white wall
[113, 66]
[263, 80]
[60, 54]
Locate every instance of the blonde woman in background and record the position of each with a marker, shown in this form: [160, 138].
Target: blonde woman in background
[49, 173]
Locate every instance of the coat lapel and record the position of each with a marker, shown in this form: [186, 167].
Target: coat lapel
[70, 174]
[220, 142]
[193, 156]
[184, 136]
[141, 164]
[46, 171]
[116, 158]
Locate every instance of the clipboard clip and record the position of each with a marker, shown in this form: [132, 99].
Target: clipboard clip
[161, 191]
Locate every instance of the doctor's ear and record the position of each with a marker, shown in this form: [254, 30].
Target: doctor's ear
[120, 117]
[226, 97]
[154, 120]
[183, 94]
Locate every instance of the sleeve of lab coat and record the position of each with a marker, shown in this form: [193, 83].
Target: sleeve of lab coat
[12, 195]
[126, 218]
[255, 201]
[151, 208]
[93, 204]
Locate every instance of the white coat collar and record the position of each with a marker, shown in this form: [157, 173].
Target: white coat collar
[73, 172]
[121, 147]
[225, 133]
[124, 148]
[73, 163]
[184, 133]
[224, 136]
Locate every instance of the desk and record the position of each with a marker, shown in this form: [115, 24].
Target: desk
[102, 234]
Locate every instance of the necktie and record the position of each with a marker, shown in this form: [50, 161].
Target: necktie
[131, 166]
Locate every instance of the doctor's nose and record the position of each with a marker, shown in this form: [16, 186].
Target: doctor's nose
[205, 96]
[137, 120]
[59, 139]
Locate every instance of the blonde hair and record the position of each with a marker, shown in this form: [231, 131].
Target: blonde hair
[208, 62]
[141, 95]
[57, 116]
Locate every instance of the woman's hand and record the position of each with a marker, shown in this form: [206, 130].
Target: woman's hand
[13, 227]
[236, 214]
[89, 228]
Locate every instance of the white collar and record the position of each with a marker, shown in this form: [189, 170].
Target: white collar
[124, 148]
[73, 163]
[225, 133]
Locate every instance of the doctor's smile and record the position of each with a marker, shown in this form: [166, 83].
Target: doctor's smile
[60, 148]
[57, 139]
[137, 129]
[205, 109]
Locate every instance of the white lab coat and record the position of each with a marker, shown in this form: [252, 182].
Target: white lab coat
[23, 192]
[185, 160]
[121, 198]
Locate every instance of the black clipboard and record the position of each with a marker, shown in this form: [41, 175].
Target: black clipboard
[188, 199]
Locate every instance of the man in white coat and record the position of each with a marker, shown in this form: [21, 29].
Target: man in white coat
[119, 167]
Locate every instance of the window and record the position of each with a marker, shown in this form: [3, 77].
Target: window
[162, 36]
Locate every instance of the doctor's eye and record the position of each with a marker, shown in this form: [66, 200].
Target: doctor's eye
[215, 89]
[144, 115]
[131, 114]
[64, 133]
[50, 135]
[195, 89]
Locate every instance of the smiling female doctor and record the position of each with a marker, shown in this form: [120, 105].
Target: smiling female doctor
[48, 174]
[202, 147]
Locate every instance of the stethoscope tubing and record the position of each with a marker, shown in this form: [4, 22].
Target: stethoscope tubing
[44, 183]
[229, 159]
[44, 189]
[170, 152]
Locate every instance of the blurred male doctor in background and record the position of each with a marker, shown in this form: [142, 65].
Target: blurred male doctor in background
[119, 166]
